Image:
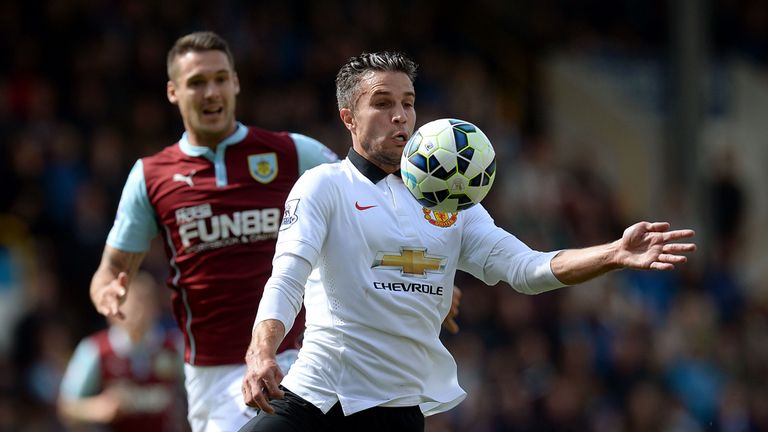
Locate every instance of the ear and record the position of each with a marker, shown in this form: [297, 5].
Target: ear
[236, 81]
[348, 119]
[170, 90]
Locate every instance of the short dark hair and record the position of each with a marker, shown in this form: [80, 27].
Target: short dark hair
[198, 42]
[351, 72]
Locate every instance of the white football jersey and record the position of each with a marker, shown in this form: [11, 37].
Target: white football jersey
[387, 266]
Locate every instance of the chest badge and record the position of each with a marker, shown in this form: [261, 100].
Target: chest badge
[263, 167]
[440, 219]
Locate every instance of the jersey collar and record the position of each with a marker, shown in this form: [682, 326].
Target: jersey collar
[196, 151]
[366, 168]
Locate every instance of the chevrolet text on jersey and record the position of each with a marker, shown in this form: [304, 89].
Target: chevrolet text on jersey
[409, 287]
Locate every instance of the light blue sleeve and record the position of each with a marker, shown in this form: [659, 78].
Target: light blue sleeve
[82, 377]
[135, 225]
[311, 152]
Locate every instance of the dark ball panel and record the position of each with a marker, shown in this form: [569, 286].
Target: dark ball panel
[419, 161]
[491, 168]
[426, 202]
[460, 138]
[466, 127]
[442, 174]
[464, 206]
[441, 195]
[468, 152]
[462, 165]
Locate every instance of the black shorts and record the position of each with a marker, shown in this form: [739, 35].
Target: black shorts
[294, 414]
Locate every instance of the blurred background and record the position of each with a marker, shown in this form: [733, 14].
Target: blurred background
[602, 113]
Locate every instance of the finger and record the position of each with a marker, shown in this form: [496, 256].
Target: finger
[262, 402]
[678, 247]
[456, 293]
[272, 388]
[678, 234]
[122, 281]
[115, 311]
[451, 326]
[657, 226]
[662, 266]
[254, 397]
[112, 304]
[247, 395]
[673, 259]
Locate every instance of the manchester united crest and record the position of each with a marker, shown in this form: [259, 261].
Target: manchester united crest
[440, 219]
[263, 167]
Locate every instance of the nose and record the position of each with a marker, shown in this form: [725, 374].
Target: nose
[211, 89]
[400, 115]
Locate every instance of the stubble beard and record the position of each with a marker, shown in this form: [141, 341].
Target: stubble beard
[380, 157]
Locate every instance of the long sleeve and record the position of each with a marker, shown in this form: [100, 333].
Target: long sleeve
[526, 270]
[284, 291]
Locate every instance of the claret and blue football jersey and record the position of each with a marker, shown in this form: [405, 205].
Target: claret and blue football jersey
[219, 213]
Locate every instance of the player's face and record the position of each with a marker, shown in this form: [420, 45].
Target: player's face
[383, 118]
[204, 87]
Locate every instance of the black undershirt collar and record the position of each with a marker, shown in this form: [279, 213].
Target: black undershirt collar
[367, 168]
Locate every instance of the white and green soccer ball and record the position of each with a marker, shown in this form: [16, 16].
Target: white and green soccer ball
[448, 165]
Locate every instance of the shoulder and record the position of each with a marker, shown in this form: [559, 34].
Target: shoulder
[311, 152]
[172, 152]
[259, 135]
[310, 146]
[326, 171]
[322, 178]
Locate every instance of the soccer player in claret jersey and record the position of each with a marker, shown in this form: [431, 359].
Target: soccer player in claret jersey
[371, 358]
[216, 197]
[128, 377]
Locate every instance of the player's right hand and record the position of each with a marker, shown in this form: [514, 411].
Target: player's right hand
[112, 296]
[260, 384]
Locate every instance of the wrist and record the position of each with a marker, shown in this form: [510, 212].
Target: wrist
[614, 259]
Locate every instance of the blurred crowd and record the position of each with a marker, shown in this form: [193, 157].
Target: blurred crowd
[82, 96]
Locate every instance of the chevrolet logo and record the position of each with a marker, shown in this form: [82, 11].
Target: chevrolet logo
[411, 261]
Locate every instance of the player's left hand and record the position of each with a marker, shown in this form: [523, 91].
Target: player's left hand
[647, 245]
[449, 323]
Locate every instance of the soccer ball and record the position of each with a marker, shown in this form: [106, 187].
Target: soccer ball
[448, 165]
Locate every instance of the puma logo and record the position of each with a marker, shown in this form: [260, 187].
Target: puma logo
[185, 178]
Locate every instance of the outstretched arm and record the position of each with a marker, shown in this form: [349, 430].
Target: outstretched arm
[109, 284]
[644, 245]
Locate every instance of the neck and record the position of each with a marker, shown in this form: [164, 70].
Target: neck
[210, 140]
[383, 165]
[136, 333]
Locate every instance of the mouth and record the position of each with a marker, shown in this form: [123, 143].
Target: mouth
[401, 137]
[212, 111]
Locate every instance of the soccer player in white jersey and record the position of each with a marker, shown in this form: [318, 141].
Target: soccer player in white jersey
[371, 358]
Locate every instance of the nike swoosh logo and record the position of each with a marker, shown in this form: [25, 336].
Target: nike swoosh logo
[359, 207]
